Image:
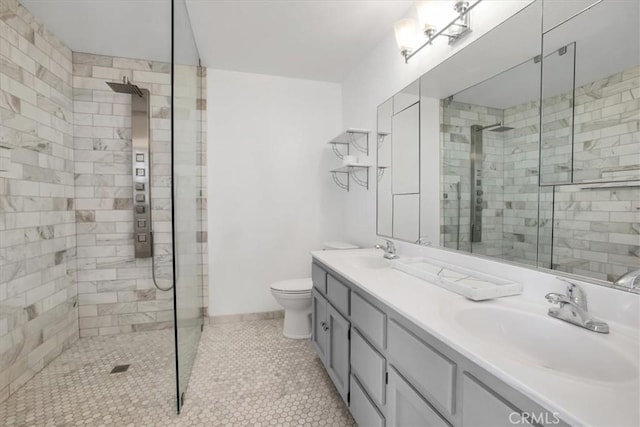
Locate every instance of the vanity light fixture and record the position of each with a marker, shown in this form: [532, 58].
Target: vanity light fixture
[431, 14]
[405, 30]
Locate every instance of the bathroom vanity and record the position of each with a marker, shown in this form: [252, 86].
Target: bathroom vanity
[404, 352]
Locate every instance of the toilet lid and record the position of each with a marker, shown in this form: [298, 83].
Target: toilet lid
[291, 286]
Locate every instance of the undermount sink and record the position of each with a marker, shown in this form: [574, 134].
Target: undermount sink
[547, 343]
[368, 261]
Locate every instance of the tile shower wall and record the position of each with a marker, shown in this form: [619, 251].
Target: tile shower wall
[38, 296]
[115, 290]
[521, 179]
[457, 119]
[586, 229]
[606, 131]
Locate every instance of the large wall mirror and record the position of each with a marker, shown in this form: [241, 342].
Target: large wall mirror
[525, 145]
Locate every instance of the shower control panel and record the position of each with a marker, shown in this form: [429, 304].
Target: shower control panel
[143, 245]
[476, 183]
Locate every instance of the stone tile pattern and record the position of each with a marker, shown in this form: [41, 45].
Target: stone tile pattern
[246, 373]
[116, 292]
[521, 181]
[457, 119]
[38, 296]
[587, 231]
[606, 132]
[596, 232]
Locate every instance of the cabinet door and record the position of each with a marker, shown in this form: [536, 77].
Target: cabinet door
[483, 407]
[337, 356]
[407, 408]
[363, 410]
[319, 324]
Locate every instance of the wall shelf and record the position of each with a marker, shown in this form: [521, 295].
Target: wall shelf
[359, 139]
[381, 170]
[381, 137]
[351, 171]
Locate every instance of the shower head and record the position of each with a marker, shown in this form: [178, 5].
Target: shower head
[498, 127]
[125, 87]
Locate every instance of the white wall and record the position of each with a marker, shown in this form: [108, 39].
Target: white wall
[271, 199]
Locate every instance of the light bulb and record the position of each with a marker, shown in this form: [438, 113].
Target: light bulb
[405, 30]
[433, 14]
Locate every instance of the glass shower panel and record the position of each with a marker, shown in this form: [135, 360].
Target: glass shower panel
[187, 107]
[556, 147]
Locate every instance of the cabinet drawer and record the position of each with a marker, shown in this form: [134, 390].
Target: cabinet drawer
[483, 407]
[319, 278]
[368, 319]
[338, 294]
[429, 371]
[368, 366]
[362, 409]
[406, 407]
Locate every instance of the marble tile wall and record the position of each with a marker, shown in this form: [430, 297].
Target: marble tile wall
[116, 291]
[38, 293]
[596, 230]
[607, 136]
[584, 228]
[606, 132]
[457, 119]
[521, 180]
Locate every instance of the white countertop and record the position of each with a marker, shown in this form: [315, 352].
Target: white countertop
[577, 400]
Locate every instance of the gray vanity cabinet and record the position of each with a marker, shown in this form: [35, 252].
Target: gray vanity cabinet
[330, 332]
[369, 367]
[337, 356]
[407, 407]
[319, 324]
[393, 373]
[364, 411]
[483, 407]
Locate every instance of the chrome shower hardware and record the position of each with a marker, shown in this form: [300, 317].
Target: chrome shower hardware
[141, 166]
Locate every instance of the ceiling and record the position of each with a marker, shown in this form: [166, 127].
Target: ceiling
[307, 39]
[128, 28]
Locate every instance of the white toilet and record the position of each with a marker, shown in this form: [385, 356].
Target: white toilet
[295, 297]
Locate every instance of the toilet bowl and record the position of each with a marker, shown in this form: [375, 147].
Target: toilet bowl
[295, 297]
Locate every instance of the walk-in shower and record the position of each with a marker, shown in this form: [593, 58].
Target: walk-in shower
[109, 164]
[477, 191]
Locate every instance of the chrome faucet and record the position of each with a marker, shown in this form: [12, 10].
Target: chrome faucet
[389, 250]
[572, 308]
[422, 241]
[630, 280]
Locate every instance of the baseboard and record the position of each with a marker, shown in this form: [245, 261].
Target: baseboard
[232, 318]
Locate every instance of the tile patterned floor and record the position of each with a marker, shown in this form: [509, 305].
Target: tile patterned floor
[245, 373]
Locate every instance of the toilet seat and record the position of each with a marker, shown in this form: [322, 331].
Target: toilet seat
[294, 286]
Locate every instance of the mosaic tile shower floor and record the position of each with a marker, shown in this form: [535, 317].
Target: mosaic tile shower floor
[245, 373]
